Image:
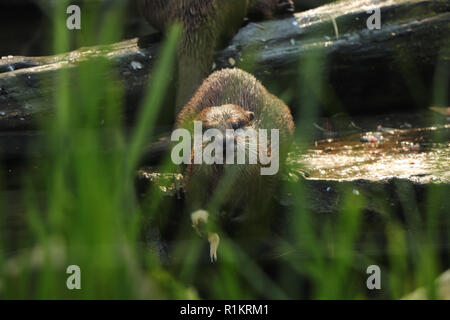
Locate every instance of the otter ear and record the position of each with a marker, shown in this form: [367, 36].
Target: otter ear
[250, 115]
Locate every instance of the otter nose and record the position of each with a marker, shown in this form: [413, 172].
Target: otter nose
[228, 145]
[228, 141]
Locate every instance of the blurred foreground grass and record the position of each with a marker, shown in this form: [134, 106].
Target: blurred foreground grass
[82, 208]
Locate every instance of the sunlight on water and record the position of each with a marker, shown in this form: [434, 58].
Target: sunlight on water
[406, 154]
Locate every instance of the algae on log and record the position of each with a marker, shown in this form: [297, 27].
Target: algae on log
[368, 70]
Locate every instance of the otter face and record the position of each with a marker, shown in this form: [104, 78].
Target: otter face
[223, 119]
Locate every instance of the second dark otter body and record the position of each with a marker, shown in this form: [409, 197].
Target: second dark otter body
[206, 24]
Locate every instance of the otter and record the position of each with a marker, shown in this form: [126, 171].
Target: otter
[233, 103]
[206, 25]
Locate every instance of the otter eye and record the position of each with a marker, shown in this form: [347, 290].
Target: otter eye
[235, 125]
[206, 127]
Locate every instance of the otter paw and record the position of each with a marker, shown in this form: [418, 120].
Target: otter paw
[197, 217]
[214, 240]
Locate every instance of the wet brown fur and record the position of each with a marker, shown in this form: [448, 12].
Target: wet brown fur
[244, 99]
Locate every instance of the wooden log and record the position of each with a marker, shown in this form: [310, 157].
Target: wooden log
[369, 70]
[22, 97]
[366, 71]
